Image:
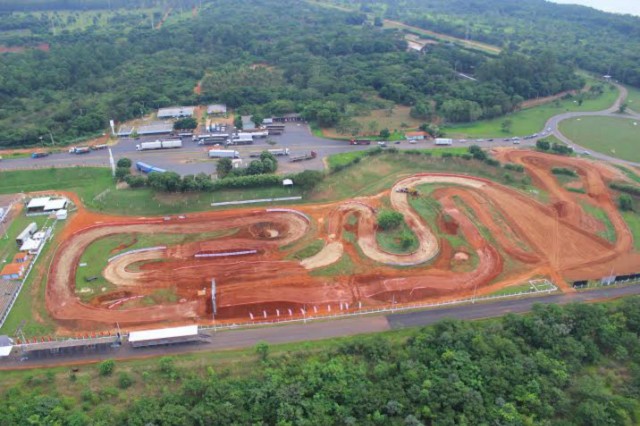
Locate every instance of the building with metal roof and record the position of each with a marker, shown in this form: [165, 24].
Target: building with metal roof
[217, 109]
[165, 336]
[55, 204]
[125, 131]
[6, 345]
[37, 204]
[12, 271]
[31, 245]
[176, 112]
[155, 129]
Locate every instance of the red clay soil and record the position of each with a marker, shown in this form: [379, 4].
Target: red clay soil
[553, 240]
[44, 47]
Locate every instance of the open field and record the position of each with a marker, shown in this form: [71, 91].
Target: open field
[397, 120]
[499, 238]
[530, 120]
[633, 98]
[617, 137]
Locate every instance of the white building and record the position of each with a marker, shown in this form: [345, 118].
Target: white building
[176, 112]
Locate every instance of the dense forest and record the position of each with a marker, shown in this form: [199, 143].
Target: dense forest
[261, 56]
[595, 41]
[577, 365]
[30, 5]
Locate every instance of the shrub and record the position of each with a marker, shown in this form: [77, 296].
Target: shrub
[491, 162]
[124, 380]
[407, 239]
[625, 187]
[625, 202]
[477, 152]
[560, 148]
[124, 162]
[262, 350]
[308, 179]
[563, 171]
[543, 145]
[447, 155]
[105, 368]
[136, 181]
[122, 173]
[388, 219]
[466, 156]
[514, 167]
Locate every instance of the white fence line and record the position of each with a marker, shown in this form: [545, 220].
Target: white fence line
[231, 253]
[26, 275]
[297, 212]
[262, 200]
[142, 250]
[369, 311]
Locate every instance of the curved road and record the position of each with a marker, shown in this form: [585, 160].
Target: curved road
[612, 111]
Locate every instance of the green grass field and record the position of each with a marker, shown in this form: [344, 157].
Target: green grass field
[633, 222]
[530, 120]
[609, 232]
[633, 98]
[87, 182]
[310, 250]
[617, 137]
[26, 305]
[94, 258]
[389, 240]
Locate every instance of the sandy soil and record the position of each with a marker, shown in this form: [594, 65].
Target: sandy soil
[558, 240]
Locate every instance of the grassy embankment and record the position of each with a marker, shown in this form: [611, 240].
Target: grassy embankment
[531, 120]
[617, 137]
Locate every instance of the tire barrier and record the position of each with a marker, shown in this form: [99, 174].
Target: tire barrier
[227, 254]
[142, 250]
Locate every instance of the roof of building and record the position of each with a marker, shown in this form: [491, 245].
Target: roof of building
[163, 333]
[247, 124]
[176, 111]
[409, 134]
[56, 204]
[20, 256]
[216, 108]
[30, 244]
[125, 130]
[37, 203]
[12, 269]
[155, 128]
[69, 344]
[6, 345]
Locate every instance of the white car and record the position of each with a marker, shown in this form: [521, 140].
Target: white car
[586, 152]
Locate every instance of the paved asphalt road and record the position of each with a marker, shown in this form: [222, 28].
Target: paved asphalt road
[612, 111]
[192, 158]
[325, 329]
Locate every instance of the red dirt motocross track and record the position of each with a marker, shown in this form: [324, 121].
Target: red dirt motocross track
[528, 239]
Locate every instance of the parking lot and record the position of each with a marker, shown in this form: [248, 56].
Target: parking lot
[193, 158]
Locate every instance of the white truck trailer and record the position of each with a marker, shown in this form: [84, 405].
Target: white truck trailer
[147, 146]
[275, 152]
[223, 153]
[444, 141]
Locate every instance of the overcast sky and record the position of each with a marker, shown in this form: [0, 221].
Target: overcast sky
[617, 6]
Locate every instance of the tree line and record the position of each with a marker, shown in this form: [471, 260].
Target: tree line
[325, 65]
[573, 365]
